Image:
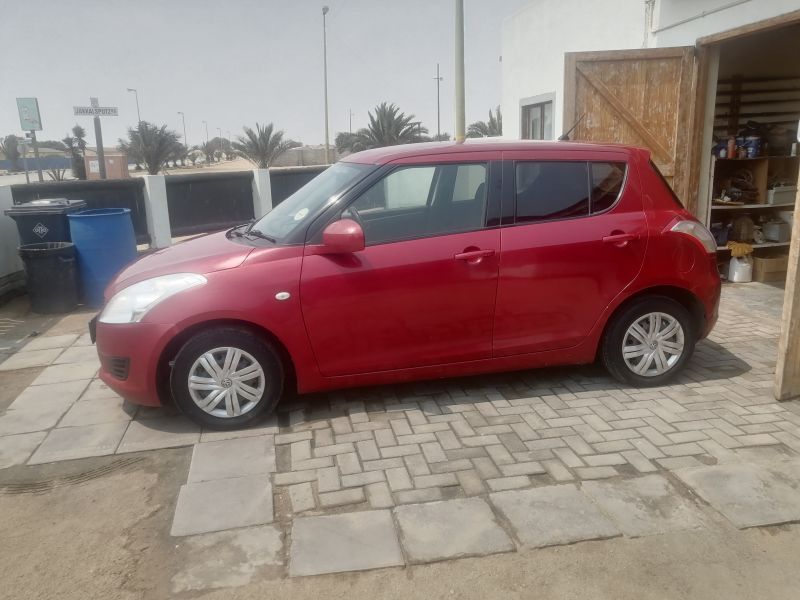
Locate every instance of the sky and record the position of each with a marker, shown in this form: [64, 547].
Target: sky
[233, 63]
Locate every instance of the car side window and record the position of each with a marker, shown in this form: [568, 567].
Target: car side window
[422, 201]
[549, 190]
[607, 180]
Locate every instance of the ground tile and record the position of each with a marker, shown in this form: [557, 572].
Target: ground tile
[69, 372]
[98, 389]
[553, 515]
[42, 397]
[16, 449]
[78, 354]
[346, 542]
[224, 459]
[450, 529]
[645, 505]
[79, 442]
[749, 494]
[48, 342]
[151, 434]
[222, 504]
[30, 358]
[226, 558]
[100, 410]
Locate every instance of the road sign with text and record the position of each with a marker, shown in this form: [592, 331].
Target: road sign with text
[95, 111]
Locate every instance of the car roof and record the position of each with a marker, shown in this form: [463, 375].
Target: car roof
[379, 156]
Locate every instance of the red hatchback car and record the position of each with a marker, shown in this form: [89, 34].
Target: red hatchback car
[420, 261]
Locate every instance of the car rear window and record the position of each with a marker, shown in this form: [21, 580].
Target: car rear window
[667, 186]
[607, 180]
[551, 190]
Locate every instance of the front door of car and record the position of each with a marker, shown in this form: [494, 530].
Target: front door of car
[422, 291]
[576, 239]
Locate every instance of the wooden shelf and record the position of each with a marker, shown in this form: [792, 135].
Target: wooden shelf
[764, 245]
[749, 206]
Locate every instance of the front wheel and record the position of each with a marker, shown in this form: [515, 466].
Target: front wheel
[226, 378]
[649, 341]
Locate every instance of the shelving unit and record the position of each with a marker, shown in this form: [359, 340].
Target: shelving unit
[756, 246]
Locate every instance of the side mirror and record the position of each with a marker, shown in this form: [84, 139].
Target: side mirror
[342, 237]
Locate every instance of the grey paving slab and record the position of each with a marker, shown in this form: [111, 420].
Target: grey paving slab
[450, 529]
[553, 515]
[78, 354]
[222, 504]
[30, 358]
[239, 457]
[645, 505]
[84, 340]
[98, 410]
[346, 542]
[16, 449]
[748, 494]
[97, 389]
[47, 342]
[79, 442]
[227, 558]
[69, 372]
[269, 427]
[41, 397]
[152, 434]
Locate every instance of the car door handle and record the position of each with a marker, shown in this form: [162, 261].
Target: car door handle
[620, 238]
[474, 255]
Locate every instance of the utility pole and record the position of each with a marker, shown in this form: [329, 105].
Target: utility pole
[459, 75]
[325, 10]
[185, 141]
[138, 114]
[350, 114]
[23, 143]
[36, 156]
[438, 113]
[206, 124]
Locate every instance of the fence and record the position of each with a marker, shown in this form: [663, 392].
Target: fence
[203, 202]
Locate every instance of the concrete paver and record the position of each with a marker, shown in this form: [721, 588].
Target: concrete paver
[78, 354]
[450, 529]
[47, 342]
[749, 494]
[553, 515]
[151, 434]
[346, 542]
[16, 449]
[645, 505]
[227, 558]
[98, 410]
[68, 443]
[68, 372]
[223, 504]
[240, 457]
[30, 358]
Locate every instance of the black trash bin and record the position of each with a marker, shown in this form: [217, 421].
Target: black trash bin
[52, 276]
[44, 220]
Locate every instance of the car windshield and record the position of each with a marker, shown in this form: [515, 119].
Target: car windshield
[309, 199]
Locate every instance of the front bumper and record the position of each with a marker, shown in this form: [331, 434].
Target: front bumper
[138, 347]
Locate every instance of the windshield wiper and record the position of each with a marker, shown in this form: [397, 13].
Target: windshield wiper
[260, 234]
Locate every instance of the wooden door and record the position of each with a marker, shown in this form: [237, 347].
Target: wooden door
[643, 98]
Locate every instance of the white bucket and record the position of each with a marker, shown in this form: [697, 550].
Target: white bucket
[740, 269]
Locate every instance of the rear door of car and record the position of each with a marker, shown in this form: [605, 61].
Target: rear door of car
[574, 237]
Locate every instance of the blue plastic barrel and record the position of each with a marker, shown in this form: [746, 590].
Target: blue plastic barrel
[104, 243]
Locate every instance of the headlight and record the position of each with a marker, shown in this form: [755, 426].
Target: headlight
[132, 303]
[699, 232]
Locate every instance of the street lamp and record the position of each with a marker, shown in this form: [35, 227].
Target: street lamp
[206, 124]
[183, 118]
[438, 114]
[325, 10]
[350, 114]
[136, 93]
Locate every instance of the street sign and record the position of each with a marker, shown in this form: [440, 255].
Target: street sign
[95, 111]
[29, 117]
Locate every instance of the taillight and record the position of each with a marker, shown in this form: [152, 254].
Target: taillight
[698, 232]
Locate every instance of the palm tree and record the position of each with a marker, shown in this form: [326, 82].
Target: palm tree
[209, 150]
[150, 145]
[388, 126]
[263, 145]
[493, 128]
[9, 146]
[76, 148]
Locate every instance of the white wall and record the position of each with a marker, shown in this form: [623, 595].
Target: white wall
[721, 15]
[536, 38]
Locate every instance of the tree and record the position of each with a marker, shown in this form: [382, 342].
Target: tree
[57, 174]
[493, 128]
[194, 155]
[262, 145]
[151, 145]
[76, 149]
[9, 146]
[209, 151]
[388, 126]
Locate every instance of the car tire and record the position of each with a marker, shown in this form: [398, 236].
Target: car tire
[227, 378]
[632, 353]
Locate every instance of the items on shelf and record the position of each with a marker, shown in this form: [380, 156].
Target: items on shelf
[739, 249]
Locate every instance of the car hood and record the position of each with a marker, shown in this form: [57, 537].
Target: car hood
[205, 254]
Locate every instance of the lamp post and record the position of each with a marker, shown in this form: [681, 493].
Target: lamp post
[138, 114]
[459, 75]
[325, 10]
[350, 114]
[183, 118]
[438, 112]
[206, 124]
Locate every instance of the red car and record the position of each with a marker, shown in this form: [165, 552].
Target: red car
[418, 262]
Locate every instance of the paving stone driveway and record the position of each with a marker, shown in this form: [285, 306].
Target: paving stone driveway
[415, 473]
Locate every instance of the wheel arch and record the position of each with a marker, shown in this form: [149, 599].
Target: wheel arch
[172, 348]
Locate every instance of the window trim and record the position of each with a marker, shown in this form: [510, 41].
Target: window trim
[513, 189]
[490, 175]
[531, 102]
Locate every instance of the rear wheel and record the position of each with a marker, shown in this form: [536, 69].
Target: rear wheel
[226, 378]
[649, 341]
